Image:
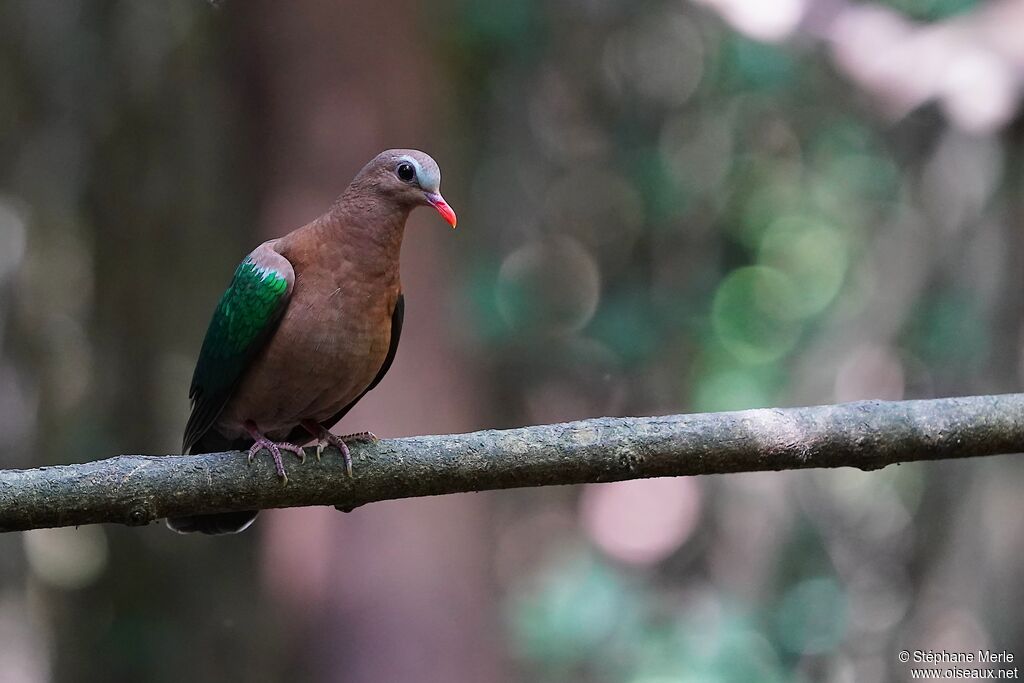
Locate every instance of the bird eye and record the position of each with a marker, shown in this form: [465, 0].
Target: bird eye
[406, 172]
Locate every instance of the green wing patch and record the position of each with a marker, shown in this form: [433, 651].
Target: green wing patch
[247, 314]
[245, 310]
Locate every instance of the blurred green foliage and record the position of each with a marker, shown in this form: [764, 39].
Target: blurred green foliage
[931, 10]
[757, 230]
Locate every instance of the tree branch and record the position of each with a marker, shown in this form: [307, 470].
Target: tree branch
[137, 489]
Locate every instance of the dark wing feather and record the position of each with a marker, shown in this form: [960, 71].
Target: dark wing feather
[247, 315]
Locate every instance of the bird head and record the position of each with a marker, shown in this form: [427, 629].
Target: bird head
[410, 178]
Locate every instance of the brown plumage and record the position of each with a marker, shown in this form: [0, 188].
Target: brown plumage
[309, 324]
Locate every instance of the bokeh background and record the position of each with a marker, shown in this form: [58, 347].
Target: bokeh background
[665, 206]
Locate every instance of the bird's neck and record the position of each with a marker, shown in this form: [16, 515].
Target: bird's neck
[355, 240]
[367, 228]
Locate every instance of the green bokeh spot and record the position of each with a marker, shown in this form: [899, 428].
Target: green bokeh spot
[663, 196]
[752, 314]
[776, 191]
[736, 388]
[571, 614]
[933, 10]
[812, 616]
[950, 332]
[497, 22]
[813, 254]
[873, 177]
[759, 66]
[480, 289]
[628, 326]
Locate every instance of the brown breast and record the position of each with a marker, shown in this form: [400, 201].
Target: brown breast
[331, 343]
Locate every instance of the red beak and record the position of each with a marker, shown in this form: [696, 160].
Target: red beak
[438, 202]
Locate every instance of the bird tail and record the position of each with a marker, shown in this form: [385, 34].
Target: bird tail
[214, 525]
[221, 522]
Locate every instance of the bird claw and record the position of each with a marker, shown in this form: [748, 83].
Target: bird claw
[275, 449]
[325, 438]
[338, 442]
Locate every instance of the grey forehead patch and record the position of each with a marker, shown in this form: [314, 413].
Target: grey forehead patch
[429, 178]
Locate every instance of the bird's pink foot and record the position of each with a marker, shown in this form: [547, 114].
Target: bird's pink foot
[260, 442]
[339, 442]
[326, 438]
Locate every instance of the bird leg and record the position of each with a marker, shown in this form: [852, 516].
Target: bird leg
[325, 438]
[261, 442]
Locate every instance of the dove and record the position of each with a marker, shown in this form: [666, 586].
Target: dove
[308, 325]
